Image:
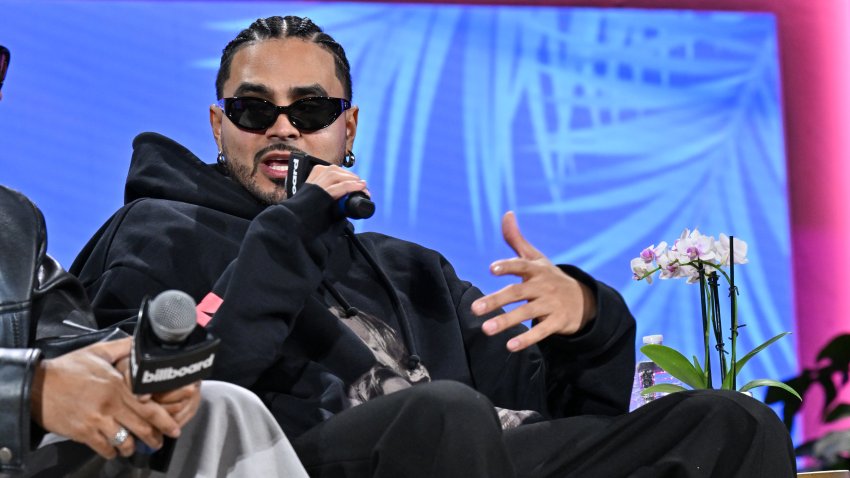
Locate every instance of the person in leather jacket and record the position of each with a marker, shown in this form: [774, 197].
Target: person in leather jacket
[80, 395]
[83, 395]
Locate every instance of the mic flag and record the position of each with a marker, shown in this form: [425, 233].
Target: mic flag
[169, 349]
[355, 205]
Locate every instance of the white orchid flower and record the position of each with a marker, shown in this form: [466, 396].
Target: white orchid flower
[721, 247]
[640, 269]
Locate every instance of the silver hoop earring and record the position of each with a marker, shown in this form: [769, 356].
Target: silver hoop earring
[348, 159]
[220, 159]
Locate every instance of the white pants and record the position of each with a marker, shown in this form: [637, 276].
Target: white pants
[231, 435]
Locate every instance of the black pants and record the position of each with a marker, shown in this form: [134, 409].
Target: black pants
[446, 429]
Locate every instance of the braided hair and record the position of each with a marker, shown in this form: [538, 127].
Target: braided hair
[284, 27]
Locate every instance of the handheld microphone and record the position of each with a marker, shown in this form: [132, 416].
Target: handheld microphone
[356, 205]
[169, 351]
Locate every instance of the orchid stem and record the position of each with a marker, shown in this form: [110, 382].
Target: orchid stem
[706, 336]
[717, 323]
[733, 300]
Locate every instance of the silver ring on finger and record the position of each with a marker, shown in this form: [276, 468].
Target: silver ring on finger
[120, 437]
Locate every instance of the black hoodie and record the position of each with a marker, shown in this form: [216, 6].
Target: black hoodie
[286, 273]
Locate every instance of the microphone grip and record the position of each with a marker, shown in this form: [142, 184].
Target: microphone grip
[356, 205]
[162, 458]
[156, 460]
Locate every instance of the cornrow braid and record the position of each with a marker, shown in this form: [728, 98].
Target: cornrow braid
[284, 27]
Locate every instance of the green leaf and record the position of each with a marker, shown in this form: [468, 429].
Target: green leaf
[663, 388]
[766, 382]
[842, 410]
[675, 364]
[739, 364]
[698, 367]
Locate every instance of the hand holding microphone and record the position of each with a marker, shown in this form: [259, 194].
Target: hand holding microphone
[344, 186]
[171, 354]
[81, 395]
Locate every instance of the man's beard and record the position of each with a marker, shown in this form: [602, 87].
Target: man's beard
[247, 177]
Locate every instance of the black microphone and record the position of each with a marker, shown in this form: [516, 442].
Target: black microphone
[169, 351]
[356, 205]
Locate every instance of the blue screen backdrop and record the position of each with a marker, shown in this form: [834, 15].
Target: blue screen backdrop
[605, 130]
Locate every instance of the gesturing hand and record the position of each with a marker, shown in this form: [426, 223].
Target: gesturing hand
[559, 303]
[82, 396]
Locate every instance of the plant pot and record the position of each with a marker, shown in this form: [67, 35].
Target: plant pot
[825, 474]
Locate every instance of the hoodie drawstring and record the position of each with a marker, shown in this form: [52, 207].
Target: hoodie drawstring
[413, 360]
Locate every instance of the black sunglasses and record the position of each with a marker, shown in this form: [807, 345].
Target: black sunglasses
[4, 63]
[306, 114]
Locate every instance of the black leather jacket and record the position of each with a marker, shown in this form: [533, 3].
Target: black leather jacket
[38, 299]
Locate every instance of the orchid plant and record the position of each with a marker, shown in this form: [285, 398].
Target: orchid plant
[702, 259]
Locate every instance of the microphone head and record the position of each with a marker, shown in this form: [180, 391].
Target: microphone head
[172, 316]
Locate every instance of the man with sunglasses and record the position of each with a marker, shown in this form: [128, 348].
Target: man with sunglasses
[375, 358]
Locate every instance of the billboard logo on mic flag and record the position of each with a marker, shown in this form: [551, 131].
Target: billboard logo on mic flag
[356, 205]
[294, 160]
[300, 165]
[170, 373]
[169, 349]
